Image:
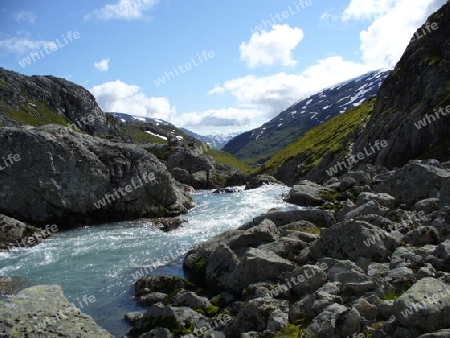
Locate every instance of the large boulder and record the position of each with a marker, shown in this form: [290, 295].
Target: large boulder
[306, 193]
[260, 180]
[414, 182]
[43, 311]
[68, 178]
[425, 306]
[352, 240]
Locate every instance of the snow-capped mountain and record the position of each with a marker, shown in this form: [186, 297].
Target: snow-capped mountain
[259, 144]
[214, 141]
[121, 117]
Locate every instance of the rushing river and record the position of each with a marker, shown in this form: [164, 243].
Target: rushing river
[102, 261]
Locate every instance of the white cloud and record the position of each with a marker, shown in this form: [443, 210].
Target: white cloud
[102, 65]
[272, 94]
[385, 40]
[219, 118]
[367, 9]
[23, 45]
[271, 48]
[121, 97]
[123, 10]
[29, 17]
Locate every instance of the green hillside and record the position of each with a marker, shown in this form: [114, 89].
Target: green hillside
[331, 135]
[223, 157]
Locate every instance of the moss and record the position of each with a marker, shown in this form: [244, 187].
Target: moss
[211, 310]
[331, 206]
[390, 295]
[199, 265]
[369, 331]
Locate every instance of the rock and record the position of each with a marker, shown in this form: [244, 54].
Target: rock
[158, 332]
[200, 180]
[439, 334]
[182, 175]
[132, 317]
[305, 279]
[285, 247]
[414, 182]
[383, 199]
[220, 265]
[401, 278]
[348, 323]
[80, 178]
[54, 317]
[367, 310]
[345, 272]
[354, 239]
[265, 232]
[258, 265]
[325, 324]
[386, 309]
[261, 180]
[369, 208]
[160, 283]
[171, 318]
[14, 233]
[191, 299]
[227, 190]
[165, 224]
[255, 316]
[151, 298]
[277, 320]
[320, 218]
[306, 193]
[421, 236]
[427, 205]
[429, 298]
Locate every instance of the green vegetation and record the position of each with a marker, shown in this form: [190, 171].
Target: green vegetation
[199, 265]
[390, 295]
[35, 115]
[332, 135]
[223, 157]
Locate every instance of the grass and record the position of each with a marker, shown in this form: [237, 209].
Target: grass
[332, 135]
[223, 157]
[390, 295]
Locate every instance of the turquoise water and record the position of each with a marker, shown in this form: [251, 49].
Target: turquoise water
[102, 261]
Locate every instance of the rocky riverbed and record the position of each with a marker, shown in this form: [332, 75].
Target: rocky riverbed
[371, 259]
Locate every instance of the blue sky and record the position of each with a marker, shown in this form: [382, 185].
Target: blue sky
[239, 77]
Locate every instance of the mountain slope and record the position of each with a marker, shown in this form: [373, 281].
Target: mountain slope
[410, 113]
[259, 144]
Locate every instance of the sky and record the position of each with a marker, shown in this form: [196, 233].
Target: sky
[214, 67]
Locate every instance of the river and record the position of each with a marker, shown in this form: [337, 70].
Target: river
[102, 261]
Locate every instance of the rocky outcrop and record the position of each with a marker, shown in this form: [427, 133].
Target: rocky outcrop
[43, 311]
[307, 193]
[68, 178]
[372, 264]
[260, 180]
[39, 100]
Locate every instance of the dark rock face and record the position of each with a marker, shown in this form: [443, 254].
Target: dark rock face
[419, 84]
[69, 178]
[49, 99]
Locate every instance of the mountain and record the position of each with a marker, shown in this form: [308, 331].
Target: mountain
[409, 117]
[258, 145]
[214, 141]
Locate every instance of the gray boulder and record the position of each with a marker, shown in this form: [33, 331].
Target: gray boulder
[43, 311]
[414, 182]
[14, 233]
[258, 265]
[306, 193]
[425, 306]
[160, 283]
[82, 179]
[352, 240]
[191, 299]
[151, 298]
[260, 180]
[305, 279]
[265, 232]
[383, 199]
[325, 325]
[220, 265]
